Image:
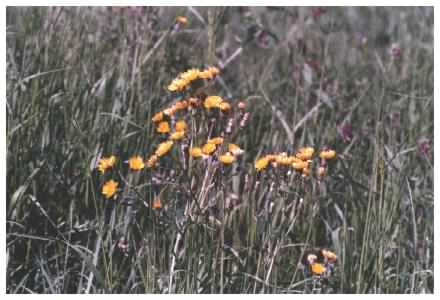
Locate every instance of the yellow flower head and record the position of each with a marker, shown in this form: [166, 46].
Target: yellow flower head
[178, 84]
[305, 153]
[216, 141]
[226, 158]
[196, 152]
[327, 154]
[209, 73]
[262, 163]
[190, 75]
[300, 165]
[172, 87]
[181, 19]
[157, 117]
[206, 75]
[151, 162]
[163, 148]
[208, 148]
[283, 159]
[271, 157]
[163, 127]
[109, 188]
[136, 163]
[212, 101]
[178, 135]
[235, 150]
[106, 163]
[318, 268]
[225, 106]
[213, 70]
[180, 125]
[296, 159]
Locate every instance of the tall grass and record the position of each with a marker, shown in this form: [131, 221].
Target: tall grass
[85, 82]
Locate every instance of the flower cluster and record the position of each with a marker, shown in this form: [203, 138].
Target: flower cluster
[300, 161]
[212, 145]
[177, 132]
[182, 105]
[185, 78]
[166, 123]
[201, 128]
[216, 102]
[110, 187]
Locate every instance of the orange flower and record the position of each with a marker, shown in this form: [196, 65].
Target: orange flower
[163, 127]
[327, 154]
[296, 159]
[261, 163]
[208, 148]
[235, 150]
[214, 70]
[212, 101]
[226, 158]
[178, 84]
[172, 87]
[318, 268]
[136, 163]
[196, 152]
[180, 125]
[206, 75]
[300, 165]
[157, 117]
[157, 203]
[209, 73]
[190, 75]
[178, 135]
[305, 153]
[225, 106]
[271, 157]
[163, 148]
[283, 159]
[215, 141]
[109, 188]
[106, 163]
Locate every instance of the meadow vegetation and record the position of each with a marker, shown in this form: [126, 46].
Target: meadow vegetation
[219, 150]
